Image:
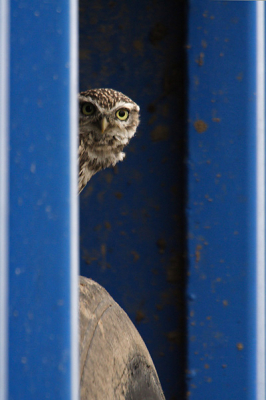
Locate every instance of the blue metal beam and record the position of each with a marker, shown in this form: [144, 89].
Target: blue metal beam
[43, 295]
[4, 113]
[260, 201]
[226, 206]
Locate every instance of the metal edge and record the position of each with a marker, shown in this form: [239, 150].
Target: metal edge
[4, 186]
[260, 201]
[74, 221]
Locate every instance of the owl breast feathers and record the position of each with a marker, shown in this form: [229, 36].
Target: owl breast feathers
[107, 121]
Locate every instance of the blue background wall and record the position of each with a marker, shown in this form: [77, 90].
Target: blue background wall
[198, 164]
[131, 217]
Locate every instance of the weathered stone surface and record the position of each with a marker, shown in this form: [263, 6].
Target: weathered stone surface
[114, 361]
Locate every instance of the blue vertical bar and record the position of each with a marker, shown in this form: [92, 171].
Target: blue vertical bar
[43, 292]
[4, 112]
[226, 227]
[260, 201]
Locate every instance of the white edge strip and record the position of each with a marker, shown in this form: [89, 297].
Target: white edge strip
[260, 201]
[4, 212]
[74, 221]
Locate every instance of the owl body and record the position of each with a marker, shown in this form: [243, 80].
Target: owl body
[107, 121]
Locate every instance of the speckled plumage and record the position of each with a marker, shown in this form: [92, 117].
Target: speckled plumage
[102, 135]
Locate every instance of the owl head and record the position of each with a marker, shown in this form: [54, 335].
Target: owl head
[107, 121]
[107, 118]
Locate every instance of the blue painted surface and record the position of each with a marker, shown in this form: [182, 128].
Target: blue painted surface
[221, 205]
[4, 200]
[131, 219]
[39, 323]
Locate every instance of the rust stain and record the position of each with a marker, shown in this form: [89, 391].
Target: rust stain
[160, 133]
[118, 195]
[138, 45]
[200, 126]
[135, 255]
[173, 336]
[161, 244]
[204, 44]
[108, 177]
[200, 60]
[197, 252]
[140, 316]
[107, 225]
[240, 76]
[240, 346]
[103, 250]
[196, 80]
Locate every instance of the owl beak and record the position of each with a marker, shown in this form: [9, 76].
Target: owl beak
[104, 124]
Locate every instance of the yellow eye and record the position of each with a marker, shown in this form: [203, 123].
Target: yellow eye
[122, 114]
[88, 109]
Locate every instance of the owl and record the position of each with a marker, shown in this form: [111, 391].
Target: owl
[107, 121]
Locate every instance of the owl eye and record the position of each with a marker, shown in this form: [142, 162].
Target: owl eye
[122, 114]
[88, 109]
